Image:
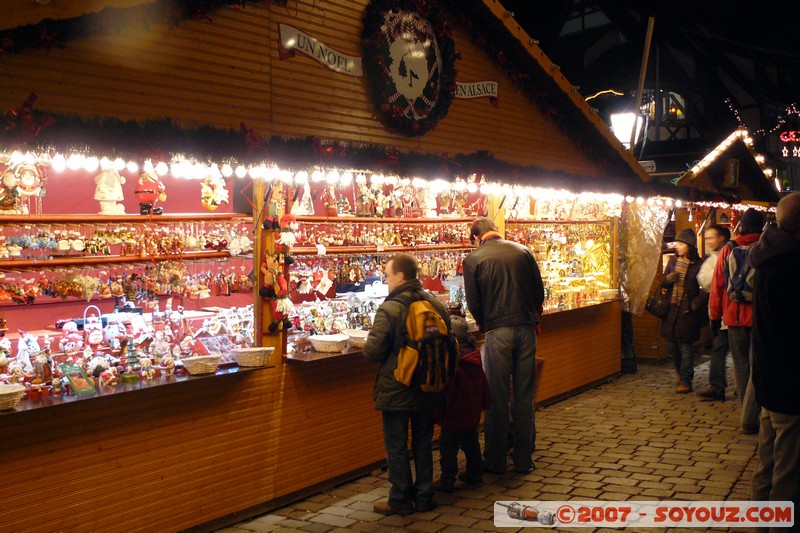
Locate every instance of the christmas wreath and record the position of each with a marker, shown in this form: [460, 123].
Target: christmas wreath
[409, 62]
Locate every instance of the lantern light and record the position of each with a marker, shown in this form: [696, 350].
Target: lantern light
[132, 167]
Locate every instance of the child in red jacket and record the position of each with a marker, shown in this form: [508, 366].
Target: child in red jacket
[466, 396]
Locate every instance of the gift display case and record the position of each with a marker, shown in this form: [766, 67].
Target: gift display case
[575, 258]
[121, 296]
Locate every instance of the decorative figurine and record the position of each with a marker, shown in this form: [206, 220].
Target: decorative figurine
[150, 190]
[26, 346]
[109, 192]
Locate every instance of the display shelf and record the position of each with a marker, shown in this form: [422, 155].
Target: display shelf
[311, 250]
[89, 220]
[312, 356]
[525, 221]
[581, 306]
[376, 220]
[97, 260]
[51, 401]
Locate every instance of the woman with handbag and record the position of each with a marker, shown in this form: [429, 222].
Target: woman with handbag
[687, 308]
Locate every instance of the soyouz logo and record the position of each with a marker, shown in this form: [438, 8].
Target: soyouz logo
[641, 514]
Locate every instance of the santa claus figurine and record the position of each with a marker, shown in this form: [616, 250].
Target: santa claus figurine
[149, 190]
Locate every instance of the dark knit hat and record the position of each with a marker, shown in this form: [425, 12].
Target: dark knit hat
[752, 221]
[687, 236]
[458, 326]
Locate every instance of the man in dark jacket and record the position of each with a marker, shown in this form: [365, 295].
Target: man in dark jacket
[504, 292]
[401, 404]
[776, 355]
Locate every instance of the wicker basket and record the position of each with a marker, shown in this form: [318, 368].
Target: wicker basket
[358, 337]
[328, 343]
[202, 364]
[252, 356]
[10, 395]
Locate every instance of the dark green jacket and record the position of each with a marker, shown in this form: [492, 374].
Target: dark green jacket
[383, 345]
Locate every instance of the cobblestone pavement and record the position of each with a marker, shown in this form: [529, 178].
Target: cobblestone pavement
[632, 438]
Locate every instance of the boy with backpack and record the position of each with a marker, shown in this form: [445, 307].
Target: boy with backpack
[410, 338]
[731, 301]
[466, 396]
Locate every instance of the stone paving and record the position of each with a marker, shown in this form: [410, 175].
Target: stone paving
[632, 438]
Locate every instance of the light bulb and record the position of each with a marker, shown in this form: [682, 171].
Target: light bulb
[119, 164]
[240, 171]
[332, 178]
[472, 188]
[161, 168]
[75, 161]
[347, 178]
[59, 163]
[132, 167]
[148, 166]
[227, 170]
[301, 178]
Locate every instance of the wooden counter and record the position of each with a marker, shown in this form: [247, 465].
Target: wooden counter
[572, 360]
[215, 451]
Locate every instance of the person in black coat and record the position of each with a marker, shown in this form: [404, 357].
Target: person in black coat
[687, 309]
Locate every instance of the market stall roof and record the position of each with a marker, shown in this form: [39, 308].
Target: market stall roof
[24, 12]
[549, 75]
[733, 168]
[509, 46]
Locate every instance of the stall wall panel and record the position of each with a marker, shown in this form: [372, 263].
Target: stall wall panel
[198, 73]
[572, 361]
[312, 100]
[177, 456]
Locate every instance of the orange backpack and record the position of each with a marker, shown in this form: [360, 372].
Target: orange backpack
[428, 352]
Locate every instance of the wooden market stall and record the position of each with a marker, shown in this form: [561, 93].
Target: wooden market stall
[202, 452]
[738, 177]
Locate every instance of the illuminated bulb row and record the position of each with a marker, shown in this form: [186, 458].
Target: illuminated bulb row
[189, 170]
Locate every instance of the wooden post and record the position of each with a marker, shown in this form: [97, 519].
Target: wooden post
[642, 73]
[264, 242]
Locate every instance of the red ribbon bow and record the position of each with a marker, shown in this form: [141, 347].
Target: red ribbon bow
[253, 140]
[23, 117]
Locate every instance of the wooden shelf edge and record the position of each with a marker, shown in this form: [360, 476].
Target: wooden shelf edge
[142, 219]
[309, 250]
[525, 221]
[10, 265]
[376, 220]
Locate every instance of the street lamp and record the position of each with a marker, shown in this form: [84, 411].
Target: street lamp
[622, 125]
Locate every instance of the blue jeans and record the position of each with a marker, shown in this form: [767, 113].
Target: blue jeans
[510, 353]
[740, 338]
[404, 491]
[683, 359]
[449, 444]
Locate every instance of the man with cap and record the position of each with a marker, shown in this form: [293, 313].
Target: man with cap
[681, 327]
[738, 316]
[504, 291]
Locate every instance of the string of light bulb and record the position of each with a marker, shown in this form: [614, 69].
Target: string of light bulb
[186, 169]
